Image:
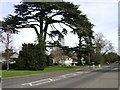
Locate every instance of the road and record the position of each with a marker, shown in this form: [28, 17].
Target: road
[105, 77]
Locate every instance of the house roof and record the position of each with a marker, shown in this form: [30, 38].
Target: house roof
[74, 59]
[15, 55]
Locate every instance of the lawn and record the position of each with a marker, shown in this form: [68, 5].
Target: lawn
[6, 73]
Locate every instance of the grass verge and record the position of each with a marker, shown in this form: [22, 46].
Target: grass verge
[6, 73]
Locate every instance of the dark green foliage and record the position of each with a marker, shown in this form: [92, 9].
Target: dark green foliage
[50, 60]
[4, 66]
[46, 15]
[111, 57]
[31, 58]
[108, 58]
[85, 36]
[86, 58]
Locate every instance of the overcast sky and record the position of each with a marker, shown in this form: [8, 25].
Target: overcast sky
[119, 27]
[102, 13]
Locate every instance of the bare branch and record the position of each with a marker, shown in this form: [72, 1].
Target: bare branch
[61, 25]
[51, 26]
[54, 27]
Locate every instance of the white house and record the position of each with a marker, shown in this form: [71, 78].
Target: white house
[68, 61]
[15, 55]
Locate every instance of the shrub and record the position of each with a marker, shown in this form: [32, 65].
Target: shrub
[49, 60]
[31, 58]
[97, 58]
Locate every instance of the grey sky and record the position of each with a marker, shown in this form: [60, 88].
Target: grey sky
[119, 28]
[103, 14]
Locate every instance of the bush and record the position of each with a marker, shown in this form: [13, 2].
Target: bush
[63, 65]
[32, 57]
[97, 58]
[4, 66]
[111, 57]
[49, 60]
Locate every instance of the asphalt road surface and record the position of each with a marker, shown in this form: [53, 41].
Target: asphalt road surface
[104, 77]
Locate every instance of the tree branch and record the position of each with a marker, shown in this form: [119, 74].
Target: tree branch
[68, 25]
[55, 21]
[51, 26]
[105, 52]
[57, 13]
[54, 27]
[45, 31]
[32, 26]
[61, 25]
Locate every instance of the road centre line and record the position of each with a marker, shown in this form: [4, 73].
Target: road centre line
[79, 72]
[115, 69]
[41, 83]
[37, 81]
[30, 84]
[48, 80]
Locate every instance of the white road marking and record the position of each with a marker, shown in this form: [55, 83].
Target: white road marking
[107, 66]
[40, 83]
[79, 72]
[115, 69]
[43, 80]
[30, 84]
[63, 76]
[48, 80]
[58, 78]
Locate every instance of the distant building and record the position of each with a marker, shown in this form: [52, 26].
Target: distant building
[69, 61]
[15, 55]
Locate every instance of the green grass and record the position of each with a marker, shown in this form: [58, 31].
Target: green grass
[6, 73]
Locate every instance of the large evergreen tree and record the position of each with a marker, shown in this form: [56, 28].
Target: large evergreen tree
[40, 16]
[85, 34]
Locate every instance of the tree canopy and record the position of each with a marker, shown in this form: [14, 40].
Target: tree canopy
[41, 16]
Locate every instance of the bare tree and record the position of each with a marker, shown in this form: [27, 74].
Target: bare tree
[108, 47]
[6, 39]
[102, 45]
[57, 55]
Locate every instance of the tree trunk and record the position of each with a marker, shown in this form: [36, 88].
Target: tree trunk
[79, 51]
[79, 58]
[7, 64]
[7, 48]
